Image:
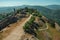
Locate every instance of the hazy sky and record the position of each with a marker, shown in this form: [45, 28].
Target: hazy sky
[28, 2]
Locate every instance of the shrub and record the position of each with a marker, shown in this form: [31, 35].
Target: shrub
[28, 24]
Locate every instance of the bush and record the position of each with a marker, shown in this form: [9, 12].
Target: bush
[37, 14]
[28, 24]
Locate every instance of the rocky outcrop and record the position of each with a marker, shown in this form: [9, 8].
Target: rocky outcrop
[57, 26]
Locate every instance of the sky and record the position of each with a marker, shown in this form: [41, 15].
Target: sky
[28, 2]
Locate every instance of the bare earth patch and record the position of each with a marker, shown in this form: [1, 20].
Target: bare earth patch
[8, 30]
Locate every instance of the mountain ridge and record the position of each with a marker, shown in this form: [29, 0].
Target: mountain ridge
[49, 13]
[54, 7]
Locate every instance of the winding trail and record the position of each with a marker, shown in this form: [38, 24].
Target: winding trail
[17, 32]
[45, 33]
[44, 28]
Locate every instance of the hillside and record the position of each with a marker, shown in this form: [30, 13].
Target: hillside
[49, 13]
[29, 24]
[53, 7]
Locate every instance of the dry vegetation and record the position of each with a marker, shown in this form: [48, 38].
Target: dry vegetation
[54, 33]
[40, 35]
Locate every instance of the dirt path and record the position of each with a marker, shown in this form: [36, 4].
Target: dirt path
[28, 36]
[44, 28]
[45, 33]
[17, 32]
[6, 31]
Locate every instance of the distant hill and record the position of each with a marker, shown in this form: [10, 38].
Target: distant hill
[9, 9]
[54, 7]
[5, 10]
[47, 11]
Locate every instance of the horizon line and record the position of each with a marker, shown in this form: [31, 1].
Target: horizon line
[28, 5]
